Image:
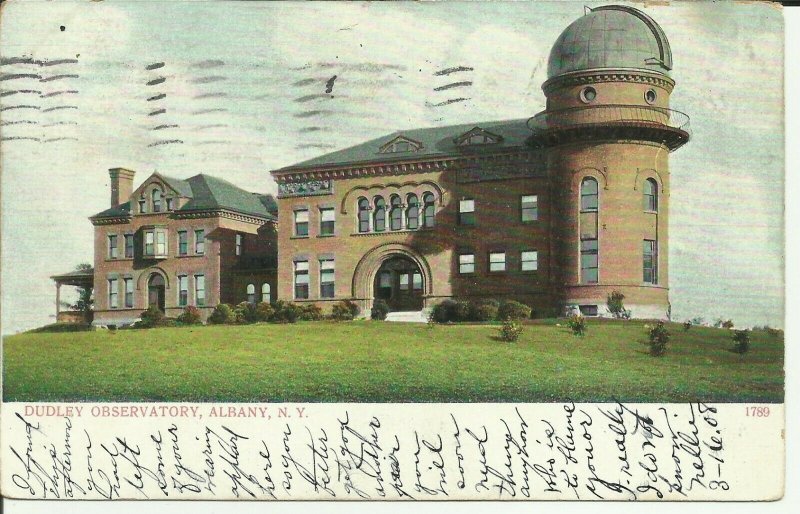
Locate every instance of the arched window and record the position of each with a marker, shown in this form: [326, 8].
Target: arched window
[589, 194]
[650, 195]
[156, 200]
[412, 212]
[396, 213]
[428, 210]
[251, 293]
[363, 215]
[266, 293]
[379, 224]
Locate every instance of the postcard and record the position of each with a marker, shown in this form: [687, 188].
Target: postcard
[392, 251]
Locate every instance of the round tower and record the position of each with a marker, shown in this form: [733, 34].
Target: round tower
[607, 132]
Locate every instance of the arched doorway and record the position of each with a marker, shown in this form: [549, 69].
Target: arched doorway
[399, 283]
[156, 292]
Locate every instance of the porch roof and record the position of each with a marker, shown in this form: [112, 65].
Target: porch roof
[80, 278]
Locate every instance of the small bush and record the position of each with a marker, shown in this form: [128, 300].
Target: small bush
[442, 312]
[511, 330]
[514, 311]
[578, 324]
[264, 312]
[223, 314]
[727, 324]
[484, 310]
[697, 321]
[152, 318]
[741, 341]
[190, 316]
[65, 327]
[774, 332]
[431, 321]
[380, 309]
[286, 312]
[460, 310]
[616, 307]
[310, 312]
[344, 311]
[658, 337]
[687, 325]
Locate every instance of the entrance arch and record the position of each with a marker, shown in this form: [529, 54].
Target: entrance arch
[398, 259]
[156, 292]
[399, 283]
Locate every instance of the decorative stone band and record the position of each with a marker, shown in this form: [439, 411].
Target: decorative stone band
[210, 213]
[305, 188]
[111, 221]
[606, 75]
[517, 156]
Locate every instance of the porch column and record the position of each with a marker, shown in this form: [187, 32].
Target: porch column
[58, 300]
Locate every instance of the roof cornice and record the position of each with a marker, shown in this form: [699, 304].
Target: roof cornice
[595, 76]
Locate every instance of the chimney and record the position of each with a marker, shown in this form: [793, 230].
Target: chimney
[121, 185]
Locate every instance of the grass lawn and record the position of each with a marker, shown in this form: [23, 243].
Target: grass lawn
[367, 361]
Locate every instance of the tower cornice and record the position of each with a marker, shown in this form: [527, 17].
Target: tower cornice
[582, 77]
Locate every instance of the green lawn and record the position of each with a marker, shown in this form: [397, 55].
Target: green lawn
[366, 361]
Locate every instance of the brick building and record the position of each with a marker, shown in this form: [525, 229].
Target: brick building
[556, 211]
[172, 243]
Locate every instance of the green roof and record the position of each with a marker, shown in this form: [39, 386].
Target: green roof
[208, 193]
[435, 141]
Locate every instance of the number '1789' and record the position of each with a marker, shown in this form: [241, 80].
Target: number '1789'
[757, 412]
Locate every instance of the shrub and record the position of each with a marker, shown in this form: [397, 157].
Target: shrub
[484, 310]
[65, 327]
[698, 321]
[774, 332]
[286, 312]
[344, 311]
[658, 337]
[687, 325]
[616, 307]
[741, 341]
[246, 312]
[310, 312]
[727, 324]
[511, 330]
[153, 317]
[190, 316]
[514, 311]
[460, 310]
[380, 309]
[442, 312]
[223, 314]
[578, 324]
[431, 320]
[264, 312]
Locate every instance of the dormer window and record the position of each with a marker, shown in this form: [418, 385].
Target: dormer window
[478, 136]
[170, 204]
[142, 206]
[156, 200]
[401, 144]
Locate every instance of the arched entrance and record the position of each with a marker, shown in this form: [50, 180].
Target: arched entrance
[156, 292]
[399, 283]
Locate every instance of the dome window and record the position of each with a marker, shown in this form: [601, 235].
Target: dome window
[588, 95]
[650, 96]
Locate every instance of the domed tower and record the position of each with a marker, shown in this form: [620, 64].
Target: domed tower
[608, 131]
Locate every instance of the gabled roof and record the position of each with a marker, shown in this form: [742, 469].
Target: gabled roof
[436, 141]
[209, 193]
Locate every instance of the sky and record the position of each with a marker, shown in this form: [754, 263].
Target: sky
[244, 90]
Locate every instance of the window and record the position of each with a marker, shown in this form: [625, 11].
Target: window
[428, 210]
[169, 204]
[128, 246]
[412, 212]
[239, 244]
[396, 213]
[650, 262]
[327, 274]
[128, 292]
[588, 94]
[466, 263]
[142, 206]
[183, 242]
[529, 260]
[401, 144]
[113, 301]
[417, 281]
[199, 290]
[650, 96]
[112, 247]
[301, 223]
[161, 242]
[327, 221]
[155, 243]
[650, 195]
[266, 293]
[530, 207]
[385, 285]
[405, 281]
[363, 215]
[466, 212]
[497, 261]
[588, 310]
[589, 194]
[379, 215]
[149, 243]
[183, 290]
[199, 242]
[589, 261]
[251, 293]
[156, 200]
[301, 280]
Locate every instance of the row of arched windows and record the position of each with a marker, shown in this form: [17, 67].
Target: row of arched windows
[589, 193]
[415, 213]
[266, 293]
